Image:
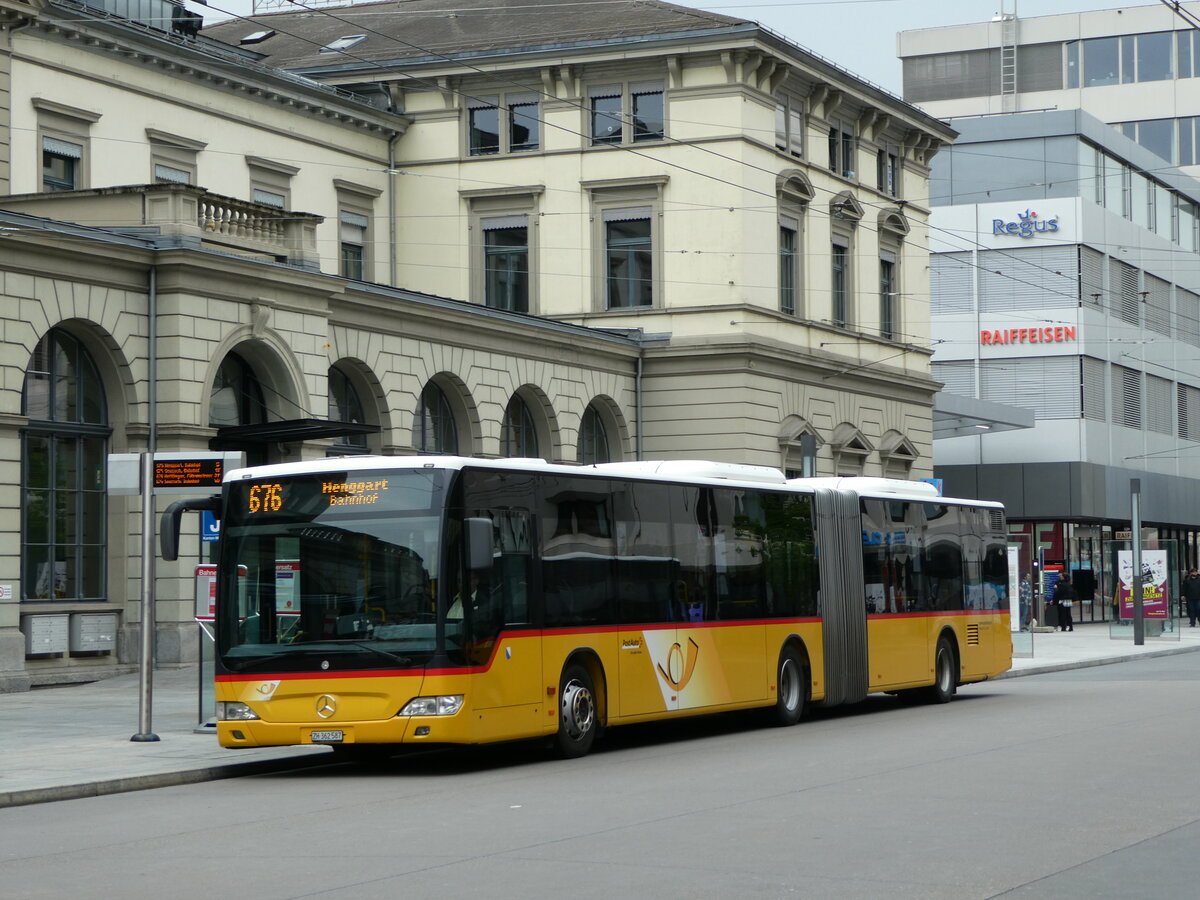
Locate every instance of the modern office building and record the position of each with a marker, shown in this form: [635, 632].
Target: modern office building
[1136, 67]
[1065, 282]
[633, 231]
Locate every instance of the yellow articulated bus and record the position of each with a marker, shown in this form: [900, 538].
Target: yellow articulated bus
[370, 601]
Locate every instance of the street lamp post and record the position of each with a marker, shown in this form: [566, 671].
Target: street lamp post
[1135, 502]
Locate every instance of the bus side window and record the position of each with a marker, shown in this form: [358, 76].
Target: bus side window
[577, 550]
[648, 579]
[692, 521]
[741, 576]
[942, 558]
[791, 558]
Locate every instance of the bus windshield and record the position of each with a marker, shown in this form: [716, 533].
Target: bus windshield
[337, 569]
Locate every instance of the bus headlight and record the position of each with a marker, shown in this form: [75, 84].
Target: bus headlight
[232, 711]
[445, 705]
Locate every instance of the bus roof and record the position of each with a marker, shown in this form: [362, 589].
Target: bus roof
[674, 470]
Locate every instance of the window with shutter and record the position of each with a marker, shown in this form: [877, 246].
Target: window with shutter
[1127, 397]
[1187, 316]
[1189, 412]
[1049, 386]
[1028, 278]
[1094, 406]
[952, 283]
[957, 375]
[1158, 405]
[1123, 291]
[1091, 276]
[1158, 305]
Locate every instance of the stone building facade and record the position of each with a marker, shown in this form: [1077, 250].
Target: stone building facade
[333, 270]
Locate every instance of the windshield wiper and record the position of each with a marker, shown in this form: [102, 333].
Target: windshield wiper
[387, 654]
[316, 648]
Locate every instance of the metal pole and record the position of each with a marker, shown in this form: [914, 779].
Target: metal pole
[808, 455]
[1139, 621]
[146, 662]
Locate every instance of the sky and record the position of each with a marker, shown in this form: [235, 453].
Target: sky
[857, 35]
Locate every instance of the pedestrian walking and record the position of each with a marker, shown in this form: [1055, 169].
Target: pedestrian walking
[1064, 599]
[1191, 593]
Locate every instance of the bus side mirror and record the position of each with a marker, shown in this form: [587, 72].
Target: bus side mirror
[478, 535]
[169, 526]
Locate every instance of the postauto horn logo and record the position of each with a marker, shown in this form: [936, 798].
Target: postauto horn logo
[1027, 225]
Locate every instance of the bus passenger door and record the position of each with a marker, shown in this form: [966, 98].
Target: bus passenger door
[507, 690]
[651, 596]
[646, 658]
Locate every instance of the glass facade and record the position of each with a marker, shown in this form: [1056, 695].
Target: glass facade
[345, 406]
[434, 427]
[518, 433]
[593, 438]
[63, 454]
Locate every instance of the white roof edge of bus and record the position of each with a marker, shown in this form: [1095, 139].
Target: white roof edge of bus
[696, 468]
[682, 469]
[862, 484]
[880, 487]
[671, 468]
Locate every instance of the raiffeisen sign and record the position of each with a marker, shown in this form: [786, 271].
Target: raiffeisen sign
[1057, 334]
[1027, 225]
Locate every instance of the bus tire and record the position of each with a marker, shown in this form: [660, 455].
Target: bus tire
[578, 721]
[945, 673]
[791, 689]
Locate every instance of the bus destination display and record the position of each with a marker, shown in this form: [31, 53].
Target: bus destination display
[170, 473]
[268, 496]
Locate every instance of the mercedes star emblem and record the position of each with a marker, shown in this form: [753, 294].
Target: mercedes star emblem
[326, 706]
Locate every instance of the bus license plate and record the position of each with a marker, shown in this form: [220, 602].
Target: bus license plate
[326, 737]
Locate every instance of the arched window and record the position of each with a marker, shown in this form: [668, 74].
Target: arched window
[518, 434]
[345, 406]
[237, 395]
[63, 450]
[593, 438]
[434, 428]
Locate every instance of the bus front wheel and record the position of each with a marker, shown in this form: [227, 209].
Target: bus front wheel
[577, 719]
[944, 674]
[791, 689]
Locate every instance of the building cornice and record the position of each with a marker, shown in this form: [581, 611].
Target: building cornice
[208, 63]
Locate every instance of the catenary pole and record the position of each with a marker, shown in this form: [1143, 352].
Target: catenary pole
[146, 660]
[1139, 621]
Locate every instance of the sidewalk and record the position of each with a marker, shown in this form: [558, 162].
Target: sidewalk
[63, 743]
[69, 742]
[1090, 645]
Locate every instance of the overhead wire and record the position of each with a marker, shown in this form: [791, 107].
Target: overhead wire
[742, 187]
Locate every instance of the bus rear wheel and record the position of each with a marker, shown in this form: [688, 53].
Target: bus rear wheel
[944, 674]
[791, 687]
[577, 718]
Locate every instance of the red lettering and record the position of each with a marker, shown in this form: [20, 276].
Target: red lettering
[1069, 333]
[1058, 333]
[1034, 335]
[985, 337]
[1012, 336]
[1024, 334]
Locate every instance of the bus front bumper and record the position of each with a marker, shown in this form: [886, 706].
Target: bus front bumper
[398, 730]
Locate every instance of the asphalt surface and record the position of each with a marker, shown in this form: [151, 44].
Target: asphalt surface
[74, 741]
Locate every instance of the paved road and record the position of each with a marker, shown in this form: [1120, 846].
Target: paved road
[1070, 784]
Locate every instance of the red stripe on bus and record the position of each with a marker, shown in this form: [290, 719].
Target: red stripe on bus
[505, 635]
[928, 614]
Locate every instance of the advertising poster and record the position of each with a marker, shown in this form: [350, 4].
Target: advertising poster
[206, 593]
[287, 588]
[1016, 603]
[1154, 589]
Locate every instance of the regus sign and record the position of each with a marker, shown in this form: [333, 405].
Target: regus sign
[1027, 225]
